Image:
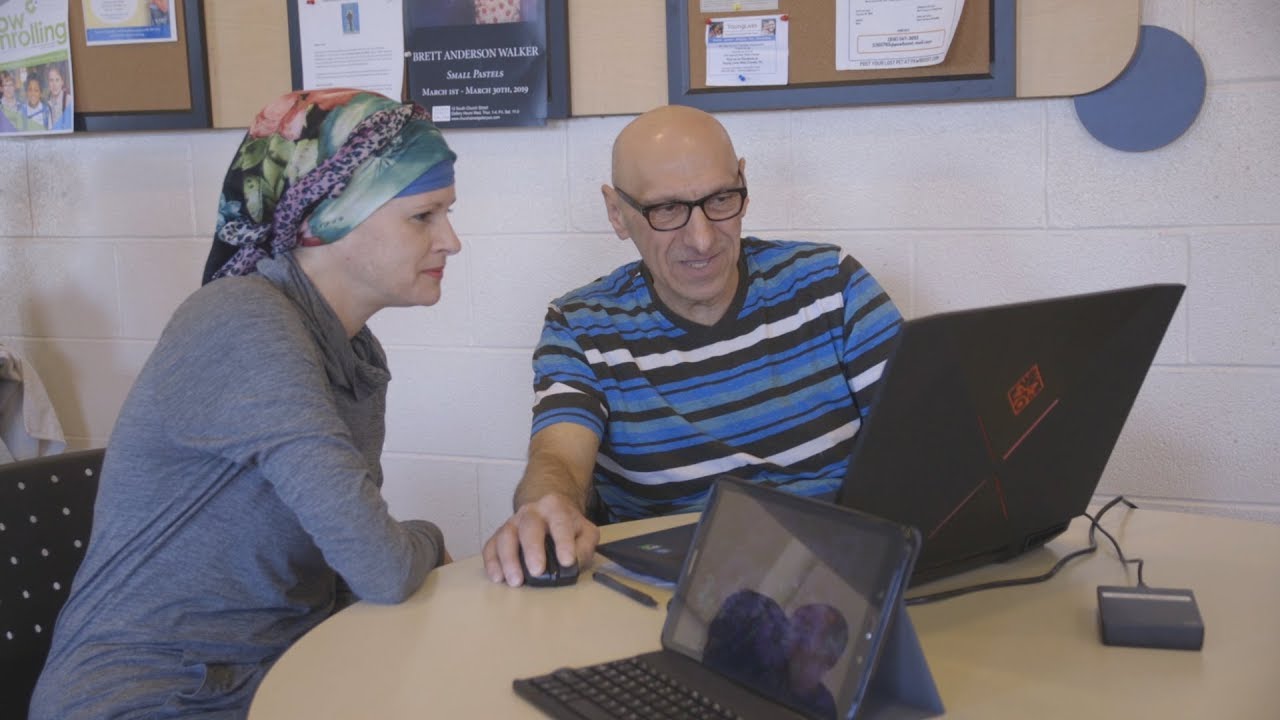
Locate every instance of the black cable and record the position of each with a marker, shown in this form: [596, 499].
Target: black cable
[1095, 525]
[994, 584]
[1031, 580]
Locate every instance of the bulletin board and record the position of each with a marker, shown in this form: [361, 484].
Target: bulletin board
[557, 18]
[979, 63]
[142, 86]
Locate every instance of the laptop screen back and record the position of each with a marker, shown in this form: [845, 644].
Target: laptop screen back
[789, 596]
[993, 425]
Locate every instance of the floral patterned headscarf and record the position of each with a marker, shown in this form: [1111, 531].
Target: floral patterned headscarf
[312, 167]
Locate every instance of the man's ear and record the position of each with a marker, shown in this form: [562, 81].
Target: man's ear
[613, 205]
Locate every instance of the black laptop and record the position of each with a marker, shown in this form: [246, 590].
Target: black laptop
[991, 428]
[786, 607]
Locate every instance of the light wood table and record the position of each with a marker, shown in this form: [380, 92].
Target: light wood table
[452, 650]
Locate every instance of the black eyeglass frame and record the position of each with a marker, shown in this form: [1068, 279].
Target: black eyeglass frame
[689, 205]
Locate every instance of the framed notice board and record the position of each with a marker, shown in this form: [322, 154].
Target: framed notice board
[555, 12]
[979, 64]
[142, 86]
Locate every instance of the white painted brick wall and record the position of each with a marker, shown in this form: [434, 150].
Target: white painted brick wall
[1231, 300]
[58, 288]
[15, 204]
[469, 403]
[449, 487]
[961, 165]
[517, 180]
[972, 270]
[952, 205]
[122, 185]
[1201, 435]
[1238, 38]
[1223, 171]
[497, 485]
[764, 139]
[516, 276]
[1175, 15]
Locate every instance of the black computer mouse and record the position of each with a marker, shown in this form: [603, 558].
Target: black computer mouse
[555, 574]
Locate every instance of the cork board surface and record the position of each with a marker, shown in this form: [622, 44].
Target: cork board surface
[813, 46]
[142, 77]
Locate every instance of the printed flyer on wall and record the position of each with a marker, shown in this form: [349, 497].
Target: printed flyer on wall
[352, 44]
[877, 34]
[123, 22]
[35, 67]
[747, 50]
[479, 63]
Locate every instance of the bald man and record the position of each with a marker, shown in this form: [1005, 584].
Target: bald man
[714, 354]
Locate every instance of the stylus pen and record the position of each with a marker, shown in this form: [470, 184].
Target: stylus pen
[611, 582]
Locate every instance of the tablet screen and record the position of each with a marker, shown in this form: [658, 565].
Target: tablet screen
[789, 596]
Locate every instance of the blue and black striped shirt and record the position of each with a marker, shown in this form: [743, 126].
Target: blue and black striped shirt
[774, 392]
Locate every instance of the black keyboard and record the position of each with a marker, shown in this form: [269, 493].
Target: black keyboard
[624, 689]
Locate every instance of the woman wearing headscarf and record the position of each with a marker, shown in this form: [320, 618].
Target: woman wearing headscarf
[240, 494]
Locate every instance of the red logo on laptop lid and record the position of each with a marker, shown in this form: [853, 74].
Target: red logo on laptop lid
[1028, 388]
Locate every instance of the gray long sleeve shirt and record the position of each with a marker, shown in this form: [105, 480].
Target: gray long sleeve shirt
[243, 471]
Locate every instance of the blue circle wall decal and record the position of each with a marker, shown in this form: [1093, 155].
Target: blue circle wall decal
[1153, 100]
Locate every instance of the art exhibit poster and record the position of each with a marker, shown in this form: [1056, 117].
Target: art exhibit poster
[352, 44]
[478, 63]
[35, 68]
[122, 22]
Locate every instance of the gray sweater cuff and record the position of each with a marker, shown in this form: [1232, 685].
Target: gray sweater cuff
[432, 533]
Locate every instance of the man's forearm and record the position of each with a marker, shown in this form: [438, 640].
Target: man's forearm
[547, 474]
[562, 458]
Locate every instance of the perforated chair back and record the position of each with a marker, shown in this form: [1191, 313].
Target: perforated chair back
[46, 513]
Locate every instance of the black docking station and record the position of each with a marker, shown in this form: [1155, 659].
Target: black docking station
[1149, 617]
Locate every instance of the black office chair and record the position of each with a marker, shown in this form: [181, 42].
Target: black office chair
[46, 512]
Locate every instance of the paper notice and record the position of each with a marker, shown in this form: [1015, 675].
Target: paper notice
[877, 34]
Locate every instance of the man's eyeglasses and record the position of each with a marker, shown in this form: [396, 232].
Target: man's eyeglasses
[675, 214]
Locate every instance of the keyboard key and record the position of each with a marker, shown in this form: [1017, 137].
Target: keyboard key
[591, 711]
[626, 690]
